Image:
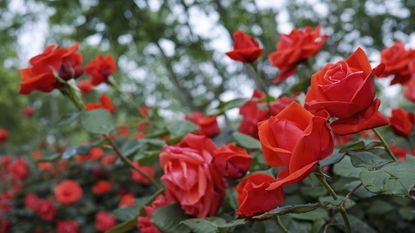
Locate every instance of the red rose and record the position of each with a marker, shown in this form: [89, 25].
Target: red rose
[31, 201]
[127, 200]
[68, 192]
[367, 119]
[28, 111]
[402, 122]
[19, 169]
[101, 69]
[306, 139]
[396, 60]
[101, 187]
[409, 92]
[46, 210]
[67, 226]
[253, 196]
[104, 221]
[295, 48]
[4, 134]
[39, 75]
[105, 103]
[245, 48]
[256, 110]
[143, 111]
[346, 90]
[144, 224]
[109, 159]
[137, 177]
[85, 86]
[232, 161]
[5, 225]
[191, 177]
[208, 126]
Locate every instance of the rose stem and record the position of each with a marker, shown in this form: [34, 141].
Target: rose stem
[281, 225]
[70, 93]
[385, 144]
[321, 177]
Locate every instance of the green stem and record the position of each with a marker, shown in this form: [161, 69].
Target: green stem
[68, 91]
[129, 163]
[281, 225]
[410, 142]
[385, 144]
[323, 181]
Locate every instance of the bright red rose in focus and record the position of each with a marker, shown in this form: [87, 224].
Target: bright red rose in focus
[294, 48]
[306, 139]
[68, 192]
[396, 60]
[144, 224]
[208, 126]
[104, 221]
[19, 169]
[67, 226]
[137, 177]
[101, 69]
[67, 62]
[232, 161]
[346, 90]
[4, 134]
[190, 176]
[256, 110]
[245, 48]
[85, 87]
[402, 122]
[253, 196]
[104, 103]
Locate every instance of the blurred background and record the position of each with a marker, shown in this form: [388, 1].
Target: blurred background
[171, 54]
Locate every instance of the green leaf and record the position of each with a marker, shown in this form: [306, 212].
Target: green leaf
[211, 225]
[333, 159]
[366, 159]
[346, 169]
[129, 212]
[312, 215]
[124, 227]
[99, 121]
[357, 225]
[70, 152]
[168, 219]
[181, 128]
[246, 141]
[395, 178]
[68, 119]
[294, 209]
[353, 146]
[50, 158]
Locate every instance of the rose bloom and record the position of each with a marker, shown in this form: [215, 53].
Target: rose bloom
[67, 62]
[28, 111]
[5, 225]
[144, 224]
[396, 60]
[346, 90]
[19, 169]
[253, 196]
[104, 103]
[306, 140]
[256, 110]
[409, 91]
[85, 87]
[143, 111]
[109, 159]
[190, 176]
[295, 48]
[94, 153]
[137, 177]
[67, 226]
[101, 69]
[402, 122]
[4, 134]
[232, 161]
[68, 192]
[208, 126]
[127, 200]
[101, 187]
[104, 221]
[245, 48]
[46, 210]
[31, 201]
